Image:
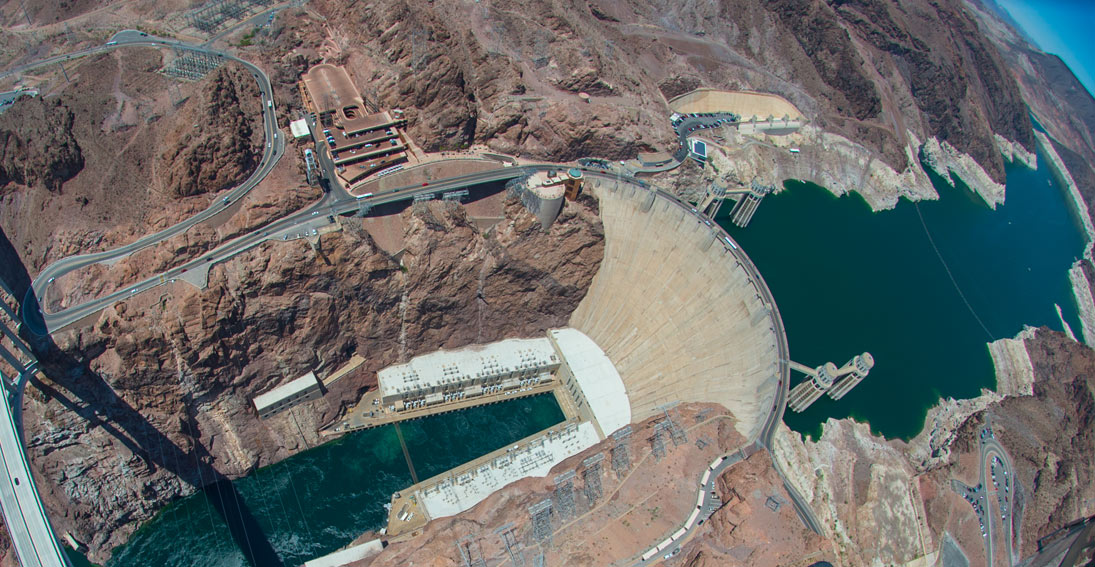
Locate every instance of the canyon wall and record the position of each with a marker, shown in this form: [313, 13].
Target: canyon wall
[154, 399]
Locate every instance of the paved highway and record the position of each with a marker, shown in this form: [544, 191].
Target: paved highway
[26, 520]
[995, 467]
[305, 222]
[707, 502]
[308, 221]
[299, 224]
[34, 313]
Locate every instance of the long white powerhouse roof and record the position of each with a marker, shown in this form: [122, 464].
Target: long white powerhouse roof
[445, 367]
[285, 390]
[597, 377]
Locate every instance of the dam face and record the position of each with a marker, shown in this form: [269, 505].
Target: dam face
[676, 312]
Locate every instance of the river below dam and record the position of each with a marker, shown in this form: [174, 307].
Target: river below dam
[922, 287]
[318, 501]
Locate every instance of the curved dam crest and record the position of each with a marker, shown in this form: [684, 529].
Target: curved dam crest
[674, 310]
[676, 313]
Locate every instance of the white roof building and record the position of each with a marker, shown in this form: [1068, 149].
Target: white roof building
[601, 384]
[441, 369]
[289, 393]
[299, 129]
[449, 497]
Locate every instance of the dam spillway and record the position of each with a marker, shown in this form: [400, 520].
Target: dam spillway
[677, 312]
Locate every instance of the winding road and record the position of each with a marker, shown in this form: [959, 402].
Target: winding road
[32, 536]
[309, 221]
[34, 314]
[999, 501]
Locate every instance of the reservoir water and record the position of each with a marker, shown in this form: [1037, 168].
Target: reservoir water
[320, 500]
[922, 287]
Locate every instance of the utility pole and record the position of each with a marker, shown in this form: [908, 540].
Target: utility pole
[23, 4]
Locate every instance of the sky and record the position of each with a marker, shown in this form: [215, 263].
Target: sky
[1063, 27]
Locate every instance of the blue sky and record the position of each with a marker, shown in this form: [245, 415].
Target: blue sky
[1062, 27]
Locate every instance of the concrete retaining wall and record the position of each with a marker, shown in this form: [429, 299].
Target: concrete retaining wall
[675, 313]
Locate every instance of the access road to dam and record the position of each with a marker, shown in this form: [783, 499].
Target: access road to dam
[758, 423]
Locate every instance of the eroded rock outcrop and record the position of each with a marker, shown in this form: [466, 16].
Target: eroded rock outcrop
[155, 398]
[223, 145]
[893, 501]
[37, 146]
[507, 74]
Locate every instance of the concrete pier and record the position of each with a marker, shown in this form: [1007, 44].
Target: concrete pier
[806, 393]
[744, 210]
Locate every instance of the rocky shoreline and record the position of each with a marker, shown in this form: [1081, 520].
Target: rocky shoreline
[1061, 173]
[949, 163]
[842, 166]
[1081, 290]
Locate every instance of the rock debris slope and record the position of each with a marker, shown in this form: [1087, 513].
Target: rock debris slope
[160, 387]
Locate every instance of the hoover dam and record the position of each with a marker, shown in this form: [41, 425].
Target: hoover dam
[675, 314]
[680, 311]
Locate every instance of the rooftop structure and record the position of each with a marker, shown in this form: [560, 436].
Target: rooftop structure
[449, 494]
[474, 369]
[283, 397]
[358, 142]
[299, 129]
[349, 555]
[542, 193]
[329, 91]
[589, 390]
[699, 150]
[599, 384]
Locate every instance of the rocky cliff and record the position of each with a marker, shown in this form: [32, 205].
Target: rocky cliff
[37, 145]
[892, 500]
[104, 180]
[155, 398]
[224, 144]
[507, 74]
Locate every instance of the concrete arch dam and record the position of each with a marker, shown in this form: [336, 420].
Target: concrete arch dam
[678, 314]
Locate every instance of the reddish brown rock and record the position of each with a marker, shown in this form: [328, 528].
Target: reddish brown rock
[156, 396]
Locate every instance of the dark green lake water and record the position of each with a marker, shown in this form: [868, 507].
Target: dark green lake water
[922, 287]
[318, 501]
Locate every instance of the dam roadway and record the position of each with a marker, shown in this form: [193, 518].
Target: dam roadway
[274, 149]
[709, 339]
[757, 399]
[304, 221]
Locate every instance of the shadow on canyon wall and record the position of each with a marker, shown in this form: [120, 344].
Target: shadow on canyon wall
[86, 393]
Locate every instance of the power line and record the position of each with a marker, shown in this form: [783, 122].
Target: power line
[949, 273]
[293, 484]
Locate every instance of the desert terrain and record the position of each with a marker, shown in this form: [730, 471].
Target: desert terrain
[113, 149]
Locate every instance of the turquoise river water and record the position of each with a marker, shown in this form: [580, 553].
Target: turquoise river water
[922, 287]
[318, 501]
